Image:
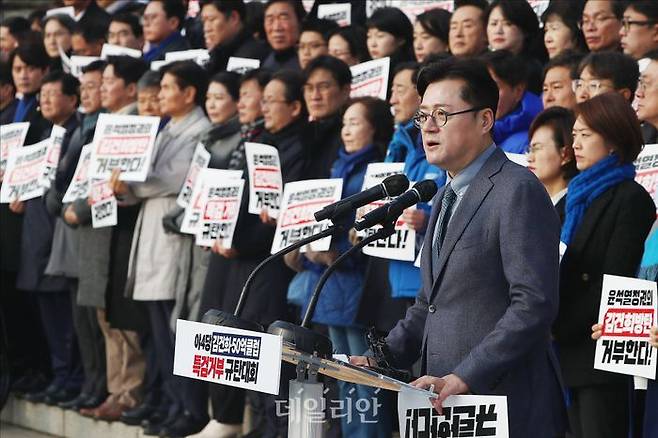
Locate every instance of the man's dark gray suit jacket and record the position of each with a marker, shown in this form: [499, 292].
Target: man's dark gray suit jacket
[486, 316]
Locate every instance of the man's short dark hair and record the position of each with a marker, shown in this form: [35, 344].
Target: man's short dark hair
[260, 75]
[508, 67]
[92, 31]
[32, 53]
[648, 8]
[337, 68]
[5, 74]
[129, 19]
[410, 65]
[70, 85]
[226, 7]
[480, 4]
[127, 68]
[567, 59]
[617, 67]
[293, 82]
[98, 66]
[189, 74]
[297, 6]
[150, 79]
[17, 26]
[479, 88]
[319, 25]
[174, 8]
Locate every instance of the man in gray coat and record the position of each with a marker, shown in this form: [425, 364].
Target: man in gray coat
[481, 321]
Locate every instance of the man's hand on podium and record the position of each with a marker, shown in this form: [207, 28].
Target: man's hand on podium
[444, 386]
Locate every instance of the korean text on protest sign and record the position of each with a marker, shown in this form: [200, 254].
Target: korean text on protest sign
[646, 168]
[627, 312]
[79, 187]
[296, 221]
[221, 198]
[25, 168]
[200, 161]
[103, 204]
[192, 216]
[11, 136]
[265, 182]
[463, 416]
[51, 160]
[341, 13]
[370, 78]
[228, 356]
[123, 142]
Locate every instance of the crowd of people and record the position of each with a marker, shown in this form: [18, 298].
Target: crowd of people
[90, 313]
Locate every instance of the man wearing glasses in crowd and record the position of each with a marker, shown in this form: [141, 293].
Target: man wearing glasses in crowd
[606, 71]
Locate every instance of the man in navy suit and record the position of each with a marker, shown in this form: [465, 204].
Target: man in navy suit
[481, 321]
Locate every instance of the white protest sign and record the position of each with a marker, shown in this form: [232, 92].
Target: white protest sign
[114, 50]
[200, 160]
[520, 159]
[79, 187]
[241, 65]
[123, 142]
[51, 160]
[24, 170]
[228, 356]
[646, 168]
[11, 136]
[341, 13]
[67, 10]
[194, 209]
[539, 6]
[221, 199]
[200, 56]
[77, 63]
[265, 181]
[296, 221]
[402, 244]
[627, 312]
[370, 78]
[103, 204]
[157, 65]
[413, 8]
[463, 415]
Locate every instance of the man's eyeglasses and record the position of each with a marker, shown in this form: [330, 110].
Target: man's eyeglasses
[439, 116]
[627, 23]
[593, 87]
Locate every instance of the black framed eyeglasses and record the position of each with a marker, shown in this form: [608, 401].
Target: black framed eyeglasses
[439, 116]
[627, 23]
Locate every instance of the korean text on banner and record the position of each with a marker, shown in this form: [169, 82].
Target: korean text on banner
[627, 312]
[24, 170]
[646, 167]
[296, 221]
[192, 217]
[265, 182]
[123, 142]
[228, 356]
[11, 136]
[341, 13]
[402, 244]
[51, 159]
[200, 160]
[463, 415]
[79, 187]
[103, 204]
[370, 78]
[221, 200]
[241, 65]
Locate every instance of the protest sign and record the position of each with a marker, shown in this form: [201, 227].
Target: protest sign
[402, 244]
[520, 159]
[265, 182]
[157, 65]
[66, 10]
[370, 78]
[123, 142]
[103, 204]
[341, 13]
[241, 65]
[51, 160]
[24, 170]
[413, 8]
[194, 209]
[114, 50]
[79, 187]
[228, 356]
[77, 63]
[199, 56]
[463, 416]
[200, 160]
[221, 199]
[11, 136]
[627, 312]
[646, 168]
[300, 200]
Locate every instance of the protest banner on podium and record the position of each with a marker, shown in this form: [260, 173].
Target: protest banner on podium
[228, 356]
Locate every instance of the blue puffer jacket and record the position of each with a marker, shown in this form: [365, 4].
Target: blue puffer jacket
[407, 146]
[339, 301]
[511, 132]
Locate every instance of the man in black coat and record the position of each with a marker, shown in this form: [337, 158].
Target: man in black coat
[163, 20]
[8, 101]
[87, 11]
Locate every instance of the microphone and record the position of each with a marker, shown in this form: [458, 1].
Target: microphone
[422, 191]
[393, 185]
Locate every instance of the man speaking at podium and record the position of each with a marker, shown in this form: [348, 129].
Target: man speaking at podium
[482, 319]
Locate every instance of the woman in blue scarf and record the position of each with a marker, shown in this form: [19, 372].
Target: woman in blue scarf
[367, 129]
[608, 217]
